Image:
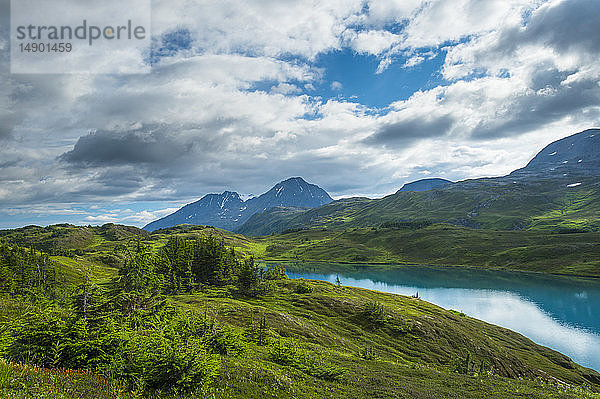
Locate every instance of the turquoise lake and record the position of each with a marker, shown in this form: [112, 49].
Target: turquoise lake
[562, 313]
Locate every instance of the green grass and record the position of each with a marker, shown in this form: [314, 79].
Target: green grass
[76, 269]
[325, 341]
[436, 244]
[25, 381]
[440, 244]
[415, 349]
[319, 340]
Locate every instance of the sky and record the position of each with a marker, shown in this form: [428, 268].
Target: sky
[356, 96]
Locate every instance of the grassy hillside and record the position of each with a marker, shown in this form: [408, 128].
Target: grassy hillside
[436, 244]
[92, 249]
[506, 203]
[320, 340]
[382, 345]
[294, 338]
[279, 219]
[442, 244]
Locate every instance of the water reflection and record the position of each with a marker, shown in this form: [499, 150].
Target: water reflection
[558, 312]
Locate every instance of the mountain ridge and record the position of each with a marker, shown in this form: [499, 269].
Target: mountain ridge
[228, 211]
[425, 184]
[576, 154]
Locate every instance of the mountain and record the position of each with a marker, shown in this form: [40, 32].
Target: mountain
[577, 155]
[228, 211]
[425, 184]
[220, 210]
[558, 190]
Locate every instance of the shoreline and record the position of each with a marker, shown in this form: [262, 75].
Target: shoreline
[367, 264]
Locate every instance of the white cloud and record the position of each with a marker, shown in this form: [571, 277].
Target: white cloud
[335, 85]
[382, 11]
[372, 42]
[286, 88]
[441, 21]
[260, 27]
[128, 216]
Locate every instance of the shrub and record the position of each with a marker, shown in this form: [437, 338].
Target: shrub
[288, 353]
[374, 312]
[33, 337]
[178, 365]
[303, 288]
[367, 353]
[225, 341]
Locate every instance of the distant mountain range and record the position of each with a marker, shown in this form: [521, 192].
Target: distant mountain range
[228, 211]
[558, 190]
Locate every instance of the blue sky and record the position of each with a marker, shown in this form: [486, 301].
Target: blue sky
[357, 96]
[360, 82]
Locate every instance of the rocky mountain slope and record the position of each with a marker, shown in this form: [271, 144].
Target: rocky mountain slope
[229, 211]
[576, 155]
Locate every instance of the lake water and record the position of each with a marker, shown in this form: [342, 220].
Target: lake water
[562, 313]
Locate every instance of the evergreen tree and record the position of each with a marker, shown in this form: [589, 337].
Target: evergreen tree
[248, 277]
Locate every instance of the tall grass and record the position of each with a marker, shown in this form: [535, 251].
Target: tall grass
[26, 381]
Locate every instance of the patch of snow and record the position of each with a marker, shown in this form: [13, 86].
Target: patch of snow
[580, 161]
[278, 191]
[565, 162]
[574, 185]
[554, 153]
[589, 137]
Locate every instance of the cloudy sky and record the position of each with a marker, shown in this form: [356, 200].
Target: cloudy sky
[357, 96]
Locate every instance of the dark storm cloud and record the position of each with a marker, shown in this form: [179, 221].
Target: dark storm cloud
[9, 164]
[571, 25]
[147, 145]
[570, 29]
[6, 126]
[550, 102]
[405, 132]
